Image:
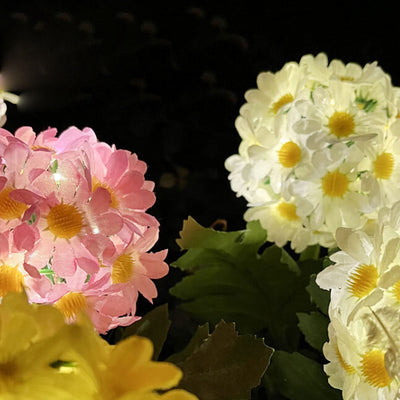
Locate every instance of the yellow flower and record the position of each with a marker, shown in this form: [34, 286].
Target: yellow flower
[43, 358]
[130, 374]
[33, 338]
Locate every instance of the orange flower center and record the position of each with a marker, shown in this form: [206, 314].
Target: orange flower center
[64, 221]
[9, 208]
[11, 280]
[122, 269]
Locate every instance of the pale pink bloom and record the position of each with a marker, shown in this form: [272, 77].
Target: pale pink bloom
[133, 268]
[107, 310]
[121, 173]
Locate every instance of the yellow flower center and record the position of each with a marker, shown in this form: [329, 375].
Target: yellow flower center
[285, 99]
[71, 304]
[363, 280]
[396, 290]
[383, 165]
[288, 211]
[341, 124]
[335, 184]
[11, 280]
[374, 370]
[346, 78]
[289, 154]
[64, 221]
[347, 367]
[9, 208]
[122, 269]
[96, 184]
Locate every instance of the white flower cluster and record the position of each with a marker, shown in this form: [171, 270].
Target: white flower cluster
[364, 333]
[320, 149]
[5, 96]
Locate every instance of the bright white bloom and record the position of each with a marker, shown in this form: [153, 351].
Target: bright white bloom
[323, 137]
[364, 335]
[362, 356]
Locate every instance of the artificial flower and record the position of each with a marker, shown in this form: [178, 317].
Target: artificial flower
[364, 281]
[72, 207]
[322, 137]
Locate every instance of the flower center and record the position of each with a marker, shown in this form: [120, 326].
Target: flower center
[285, 99]
[335, 184]
[383, 165]
[288, 211]
[396, 290]
[347, 367]
[64, 221]
[71, 304]
[9, 208]
[363, 280]
[346, 78]
[122, 269]
[289, 154]
[11, 280]
[374, 370]
[341, 124]
[96, 184]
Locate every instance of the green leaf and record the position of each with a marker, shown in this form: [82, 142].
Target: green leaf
[318, 296]
[154, 325]
[223, 365]
[297, 378]
[311, 253]
[232, 276]
[202, 333]
[315, 328]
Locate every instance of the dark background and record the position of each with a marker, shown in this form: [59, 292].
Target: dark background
[167, 81]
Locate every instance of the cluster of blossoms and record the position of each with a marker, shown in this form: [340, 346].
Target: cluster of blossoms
[320, 149]
[43, 358]
[364, 333]
[74, 231]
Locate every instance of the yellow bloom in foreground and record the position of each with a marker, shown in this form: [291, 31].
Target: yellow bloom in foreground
[130, 374]
[43, 358]
[32, 339]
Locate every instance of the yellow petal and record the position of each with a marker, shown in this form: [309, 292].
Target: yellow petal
[178, 394]
[130, 353]
[155, 375]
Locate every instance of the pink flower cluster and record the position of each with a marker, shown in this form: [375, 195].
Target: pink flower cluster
[74, 230]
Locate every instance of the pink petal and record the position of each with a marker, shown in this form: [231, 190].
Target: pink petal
[148, 240]
[131, 181]
[15, 155]
[116, 166]
[88, 265]
[146, 287]
[25, 196]
[100, 200]
[32, 271]
[98, 245]
[109, 223]
[154, 263]
[140, 200]
[63, 262]
[4, 247]
[26, 134]
[24, 237]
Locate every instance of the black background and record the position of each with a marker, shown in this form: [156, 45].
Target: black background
[167, 81]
